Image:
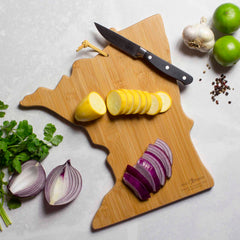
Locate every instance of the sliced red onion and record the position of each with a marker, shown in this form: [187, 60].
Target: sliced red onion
[149, 167]
[160, 170]
[159, 154]
[164, 146]
[137, 174]
[136, 186]
[151, 170]
[147, 175]
[63, 184]
[29, 182]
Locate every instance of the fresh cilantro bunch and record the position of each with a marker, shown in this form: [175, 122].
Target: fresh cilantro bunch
[19, 144]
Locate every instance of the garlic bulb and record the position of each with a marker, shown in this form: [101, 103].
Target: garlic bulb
[199, 36]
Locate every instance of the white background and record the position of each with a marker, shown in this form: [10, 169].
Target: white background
[38, 40]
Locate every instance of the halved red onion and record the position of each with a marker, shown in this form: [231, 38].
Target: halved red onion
[63, 184]
[162, 158]
[160, 170]
[137, 174]
[136, 186]
[149, 167]
[164, 146]
[29, 182]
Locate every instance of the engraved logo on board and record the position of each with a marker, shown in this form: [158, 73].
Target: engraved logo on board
[193, 184]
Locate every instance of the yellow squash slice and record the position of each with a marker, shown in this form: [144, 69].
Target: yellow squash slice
[116, 102]
[156, 104]
[129, 104]
[136, 101]
[166, 101]
[148, 102]
[142, 100]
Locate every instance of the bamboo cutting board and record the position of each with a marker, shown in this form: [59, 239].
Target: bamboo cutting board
[127, 137]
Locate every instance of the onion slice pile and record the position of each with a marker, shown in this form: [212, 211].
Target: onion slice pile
[29, 182]
[151, 170]
[63, 184]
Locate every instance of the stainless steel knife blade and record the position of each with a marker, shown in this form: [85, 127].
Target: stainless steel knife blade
[136, 51]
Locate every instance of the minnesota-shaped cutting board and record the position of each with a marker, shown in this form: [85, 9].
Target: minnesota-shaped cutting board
[127, 137]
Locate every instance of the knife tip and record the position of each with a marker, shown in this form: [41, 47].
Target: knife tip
[96, 24]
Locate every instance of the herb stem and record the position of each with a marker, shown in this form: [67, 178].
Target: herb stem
[5, 217]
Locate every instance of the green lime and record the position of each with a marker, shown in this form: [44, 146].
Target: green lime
[226, 50]
[226, 18]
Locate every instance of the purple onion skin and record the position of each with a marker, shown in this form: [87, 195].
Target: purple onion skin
[162, 157]
[164, 146]
[145, 163]
[158, 165]
[147, 175]
[151, 170]
[136, 186]
[152, 155]
[33, 189]
[135, 173]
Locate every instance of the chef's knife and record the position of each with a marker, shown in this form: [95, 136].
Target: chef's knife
[137, 51]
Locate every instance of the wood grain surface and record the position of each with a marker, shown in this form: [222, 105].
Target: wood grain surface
[127, 137]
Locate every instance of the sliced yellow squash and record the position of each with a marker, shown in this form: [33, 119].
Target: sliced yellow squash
[90, 108]
[148, 102]
[116, 102]
[136, 101]
[156, 104]
[166, 101]
[142, 99]
[129, 104]
[140, 105]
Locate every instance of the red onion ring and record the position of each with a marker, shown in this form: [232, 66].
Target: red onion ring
[158, 153]
[149, 167]
[160, 170]
[164, 146]
[136, 186]
[137, 174]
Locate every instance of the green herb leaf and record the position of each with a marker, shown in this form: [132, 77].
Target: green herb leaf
[2, 114]
[8, 126]
[56, 140]
[3, 145]
[24, 129]
[14, 203]
[49, 130]
[3, 106]
[17, 164]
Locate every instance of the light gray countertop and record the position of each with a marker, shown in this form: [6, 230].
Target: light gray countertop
[38, 42]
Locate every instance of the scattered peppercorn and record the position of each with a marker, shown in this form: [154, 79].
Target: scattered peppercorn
[220, 87]
[208, 66]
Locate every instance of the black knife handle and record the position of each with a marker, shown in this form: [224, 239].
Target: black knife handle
[168, 68]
